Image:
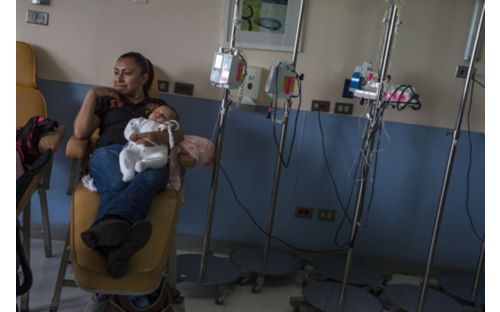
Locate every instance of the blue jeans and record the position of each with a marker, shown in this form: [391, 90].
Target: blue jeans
[130, 201]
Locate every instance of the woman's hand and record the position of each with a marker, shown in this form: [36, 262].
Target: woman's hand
[151, 138]
[104, 91]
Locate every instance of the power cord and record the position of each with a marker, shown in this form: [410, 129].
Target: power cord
[374, 175]
[264, 231]
[478, 82]
[329, 170]
[469, 167]
[377, 120]
[299, 78]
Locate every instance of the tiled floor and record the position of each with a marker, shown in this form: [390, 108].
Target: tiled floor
[275, 296]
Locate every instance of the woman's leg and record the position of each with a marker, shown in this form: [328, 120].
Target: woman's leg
[104, 168]
[107, 230]
[134, 201]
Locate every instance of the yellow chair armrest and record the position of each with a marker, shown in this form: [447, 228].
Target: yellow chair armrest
[52, 139]
[76, 148]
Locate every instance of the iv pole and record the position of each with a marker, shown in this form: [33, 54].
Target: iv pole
[370, 132]
[215, 172]
[479, 268]
[451, 157]
[284, 125]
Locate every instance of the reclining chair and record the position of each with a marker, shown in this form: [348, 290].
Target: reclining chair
[147, 267]
[30, 103]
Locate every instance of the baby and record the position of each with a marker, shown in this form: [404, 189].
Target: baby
[138, 157]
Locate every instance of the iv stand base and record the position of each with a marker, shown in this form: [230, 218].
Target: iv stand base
[279, 263]
[325, 296]
[220, 271]
[406, 297]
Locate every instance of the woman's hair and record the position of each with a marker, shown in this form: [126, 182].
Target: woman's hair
[146, 68]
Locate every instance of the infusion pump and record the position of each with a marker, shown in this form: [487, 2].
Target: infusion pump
[228, 70]
[281, 80]
[365, 83]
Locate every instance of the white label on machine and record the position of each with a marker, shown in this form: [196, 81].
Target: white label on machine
[218, 60]
[224, 77]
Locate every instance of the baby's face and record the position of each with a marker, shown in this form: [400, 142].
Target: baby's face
[162, 114]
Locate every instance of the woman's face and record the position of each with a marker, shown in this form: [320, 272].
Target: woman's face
[128, 78]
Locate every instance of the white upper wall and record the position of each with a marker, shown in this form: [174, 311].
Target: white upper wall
[84, 38]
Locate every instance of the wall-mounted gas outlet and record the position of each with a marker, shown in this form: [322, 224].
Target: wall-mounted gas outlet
[184, 88]
[461, 71]
[163, 85]
[37, 17]
[343, 108]
[322, 106]
[304, 212]
[42, 2]
[326, 215]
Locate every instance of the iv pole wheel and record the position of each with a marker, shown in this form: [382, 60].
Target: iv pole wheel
[257, 286]
[176, 295]
[219, 300]
[246, 279]
[221, 294]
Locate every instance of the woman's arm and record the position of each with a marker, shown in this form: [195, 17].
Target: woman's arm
[159, 137]
[86, 122]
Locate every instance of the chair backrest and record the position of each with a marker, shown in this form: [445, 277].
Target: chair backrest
[153, 90]
[29, 101]
[25, 65]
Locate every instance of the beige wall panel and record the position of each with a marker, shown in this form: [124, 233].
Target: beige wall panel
[84, 38]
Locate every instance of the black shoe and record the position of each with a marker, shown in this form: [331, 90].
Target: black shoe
[109, 232]
[119, 257]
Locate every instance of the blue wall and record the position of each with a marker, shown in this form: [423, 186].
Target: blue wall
[411, 165]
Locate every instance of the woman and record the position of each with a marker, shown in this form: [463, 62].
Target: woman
[120, 228]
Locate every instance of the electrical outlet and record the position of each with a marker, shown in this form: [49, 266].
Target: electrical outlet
[461, 71]
[163, 85]
[326, 215]
[183, 88]
[37, 17]
[322, 106]
[303, 212]
[343, 108]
